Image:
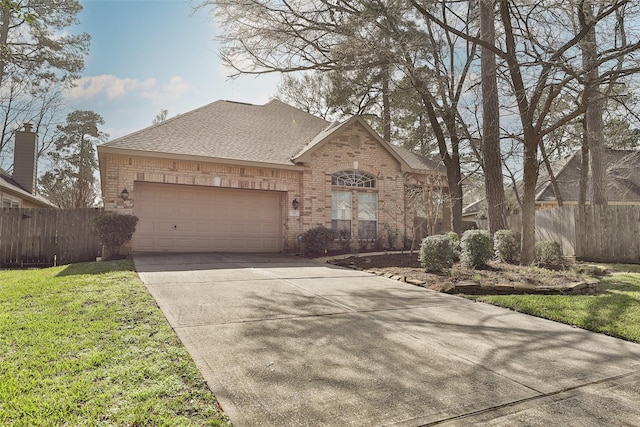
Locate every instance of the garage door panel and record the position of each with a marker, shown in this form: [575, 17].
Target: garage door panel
[165, 226]
[186, 218]
[270, 229]
[202, 227]
[254, 228]
[164, 242]
[144, 226]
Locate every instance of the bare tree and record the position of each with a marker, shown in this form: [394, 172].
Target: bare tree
[358, 37]
[593, 101]
[309, 92]
[29, 100]
[161, 116]
[491, 160]
[545, 58]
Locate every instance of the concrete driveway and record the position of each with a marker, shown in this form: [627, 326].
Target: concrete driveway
[285, 341]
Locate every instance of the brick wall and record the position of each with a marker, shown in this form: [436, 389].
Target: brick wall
[353, 148]
[123, 171]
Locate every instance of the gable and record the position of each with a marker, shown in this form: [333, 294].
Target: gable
[622, 177]
[351, 133]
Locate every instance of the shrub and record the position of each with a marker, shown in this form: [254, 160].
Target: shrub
[391, 235]
[115, 230]
[317, 239]
[344, 236]
[454, 240]
[436, 252]
[407, 243]
[548, 253]
[506, 244]
[475, 248]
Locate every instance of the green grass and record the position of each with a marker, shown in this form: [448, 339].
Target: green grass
[85, 344]
[615, 311]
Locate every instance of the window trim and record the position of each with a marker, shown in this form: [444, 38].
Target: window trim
[350, 219]
[353, 178]
[13, 203]
[375, 212]
[358, 182]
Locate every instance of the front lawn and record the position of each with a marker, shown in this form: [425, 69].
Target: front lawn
[85, 344]
[615, 311]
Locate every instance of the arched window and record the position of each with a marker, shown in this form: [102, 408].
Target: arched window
[342, 202]
[353, 178]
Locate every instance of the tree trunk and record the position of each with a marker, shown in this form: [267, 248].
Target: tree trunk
[491, 159]
[5, 22]
[584, 166]
[386, 104]
[451, 164]
[531, 138]
[552, 177]
[593, 100]
[530, 177]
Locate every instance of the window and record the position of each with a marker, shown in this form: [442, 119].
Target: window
[341, 204]
[10, 203]
[341, 213]
[367, 215]
[353, 178]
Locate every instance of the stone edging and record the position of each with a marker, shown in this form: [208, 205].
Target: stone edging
[589, 286]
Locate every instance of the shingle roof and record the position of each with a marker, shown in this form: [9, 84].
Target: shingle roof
[417, 161]
[8, 183]
[274, 133]
[623, 177]
[269, 133]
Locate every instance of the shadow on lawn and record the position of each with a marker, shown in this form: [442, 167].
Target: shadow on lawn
[98, 267]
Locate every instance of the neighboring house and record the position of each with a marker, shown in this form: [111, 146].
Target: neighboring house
[252, 178]
[19, 190]
[622, 174]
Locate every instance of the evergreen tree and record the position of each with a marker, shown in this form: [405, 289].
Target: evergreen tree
[72, 182]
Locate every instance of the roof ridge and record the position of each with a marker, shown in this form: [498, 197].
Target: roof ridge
[164, 122]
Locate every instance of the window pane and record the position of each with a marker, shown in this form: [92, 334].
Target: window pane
[341, 205]
[341, 213]
[368, 206]
[342, 227]
[367, 230]
[367, 216]
[353, 178]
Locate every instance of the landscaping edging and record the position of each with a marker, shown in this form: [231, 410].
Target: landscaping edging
[589, 286]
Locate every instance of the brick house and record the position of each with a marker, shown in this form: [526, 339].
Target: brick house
[252, 178]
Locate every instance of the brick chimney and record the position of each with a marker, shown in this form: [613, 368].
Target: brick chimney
[24, 158]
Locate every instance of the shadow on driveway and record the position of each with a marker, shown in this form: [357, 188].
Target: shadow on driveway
[286, 341]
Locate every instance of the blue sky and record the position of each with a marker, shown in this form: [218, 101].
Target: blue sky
[148, 55]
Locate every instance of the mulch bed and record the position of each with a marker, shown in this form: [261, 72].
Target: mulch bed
[496, 277]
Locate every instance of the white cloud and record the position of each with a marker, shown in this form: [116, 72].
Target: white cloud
[175, 89]
[111, 86]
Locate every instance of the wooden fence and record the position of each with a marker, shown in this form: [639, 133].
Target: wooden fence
[593, 233]
[46, 237]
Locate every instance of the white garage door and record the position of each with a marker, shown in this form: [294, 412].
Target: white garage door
[182, 218]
